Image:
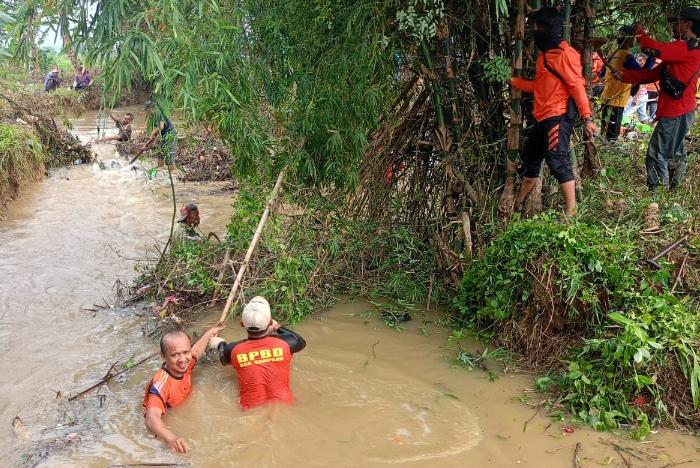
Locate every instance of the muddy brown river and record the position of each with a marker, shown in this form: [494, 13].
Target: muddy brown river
[366, 394]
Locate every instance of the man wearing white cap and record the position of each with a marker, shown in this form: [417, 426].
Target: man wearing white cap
[263, 360]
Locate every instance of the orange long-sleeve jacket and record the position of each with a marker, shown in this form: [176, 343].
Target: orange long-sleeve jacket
[551, 93]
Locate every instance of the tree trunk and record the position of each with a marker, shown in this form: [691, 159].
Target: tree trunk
[68, 50]
[506, 203]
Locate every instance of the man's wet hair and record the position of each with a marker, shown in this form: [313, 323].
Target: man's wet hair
[129, 114]
[170, 334]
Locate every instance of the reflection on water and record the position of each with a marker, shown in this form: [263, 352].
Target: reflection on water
[366, 395]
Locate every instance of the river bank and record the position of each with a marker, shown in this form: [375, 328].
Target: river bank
[363, 388]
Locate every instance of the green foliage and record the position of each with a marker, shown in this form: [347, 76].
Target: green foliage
[285, 82]
[496, 69]
[628, 325]
[420, 18]
[193, 258]
[49, 57]
[587, 260]
[21, 159]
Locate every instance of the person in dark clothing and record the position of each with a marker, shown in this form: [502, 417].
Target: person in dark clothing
[82, 79]
[558, 86]
[263, 360]
[163, 128]
[52, 80]
[124, 126]
[678, 78]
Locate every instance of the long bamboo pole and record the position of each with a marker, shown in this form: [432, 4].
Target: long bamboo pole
[232, 297]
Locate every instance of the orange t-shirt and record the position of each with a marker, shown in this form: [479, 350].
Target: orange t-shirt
[165, 390]
[263, 366]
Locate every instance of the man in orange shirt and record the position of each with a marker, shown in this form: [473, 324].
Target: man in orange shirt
[559, 86]
[263, 361]
[172, 384]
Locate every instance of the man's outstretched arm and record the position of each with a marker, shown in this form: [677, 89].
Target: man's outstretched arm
[155, 424]
[201, 345]
[294, 340]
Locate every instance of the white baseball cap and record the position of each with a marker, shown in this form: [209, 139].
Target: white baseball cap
[256, 314]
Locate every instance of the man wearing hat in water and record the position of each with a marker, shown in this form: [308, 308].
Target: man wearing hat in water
[187, 222]
[262, 361]
[172, 384]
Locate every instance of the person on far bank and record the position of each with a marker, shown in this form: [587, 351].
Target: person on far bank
[558, 86]
[172, 383]
[263, 361]
[675, 114]
[163, 128]
[187, 224]
[83, 79]
[52, 80]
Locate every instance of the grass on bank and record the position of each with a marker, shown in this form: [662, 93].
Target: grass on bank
[21, 160]
[617, 343]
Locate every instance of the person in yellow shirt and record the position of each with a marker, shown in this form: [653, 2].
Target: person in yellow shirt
[616, 93]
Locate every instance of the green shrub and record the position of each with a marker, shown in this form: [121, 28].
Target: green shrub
[621, 323]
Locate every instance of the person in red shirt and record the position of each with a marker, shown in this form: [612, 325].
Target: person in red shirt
[263, 360]
[675, 114]
[558, 86]
[172, 384]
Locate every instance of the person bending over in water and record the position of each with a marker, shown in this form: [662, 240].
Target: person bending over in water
[124, 126]
[263, 361]
[162, 128]
[172, 384]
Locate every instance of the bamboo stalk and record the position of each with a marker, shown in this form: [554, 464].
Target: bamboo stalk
[253, 243]
[467, 228]
[516, 119]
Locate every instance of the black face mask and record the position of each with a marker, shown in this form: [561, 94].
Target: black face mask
[545, 41]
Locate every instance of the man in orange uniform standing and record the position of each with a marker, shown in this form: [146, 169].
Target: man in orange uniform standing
[172, 384]
[558, 80]
[263, 361]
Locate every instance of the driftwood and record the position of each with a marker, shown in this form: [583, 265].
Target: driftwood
[109, 376]
[577, 453]
[232, 297]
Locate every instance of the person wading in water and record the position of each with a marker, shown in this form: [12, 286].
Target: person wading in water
[558, 86]
[124, 126]
[263, 361]
[172, 384]
[163, 127]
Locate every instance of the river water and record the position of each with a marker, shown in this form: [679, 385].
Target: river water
[367, 395]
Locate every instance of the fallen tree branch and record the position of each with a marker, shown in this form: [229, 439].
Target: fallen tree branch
[109, 377]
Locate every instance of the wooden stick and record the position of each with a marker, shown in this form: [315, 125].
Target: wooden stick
[109, 377]
[466, 226]
[577, 452]
[232, 297]
[678, 276]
